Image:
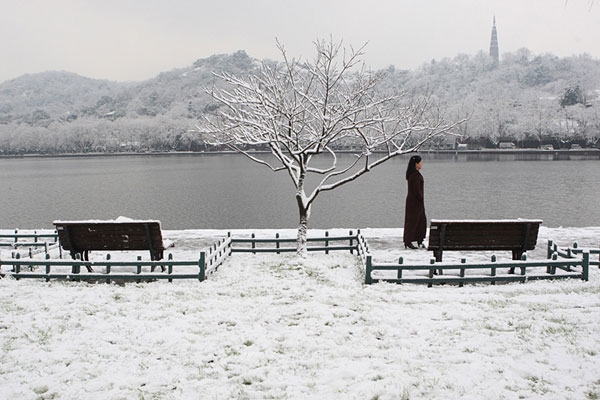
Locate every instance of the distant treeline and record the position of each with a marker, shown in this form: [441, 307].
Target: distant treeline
[527, 100]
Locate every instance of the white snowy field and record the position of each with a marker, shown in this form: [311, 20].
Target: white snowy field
[274, 326]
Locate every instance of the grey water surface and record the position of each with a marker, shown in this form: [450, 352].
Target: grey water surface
[228, 191]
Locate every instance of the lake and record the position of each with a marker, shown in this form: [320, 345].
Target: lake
[228, 191]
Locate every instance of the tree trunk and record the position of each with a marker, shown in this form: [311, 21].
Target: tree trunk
[301, 242]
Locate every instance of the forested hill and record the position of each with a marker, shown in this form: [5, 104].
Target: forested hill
[57, 99]
[525, 96]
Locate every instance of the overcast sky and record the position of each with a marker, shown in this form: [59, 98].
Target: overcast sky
[132, 40]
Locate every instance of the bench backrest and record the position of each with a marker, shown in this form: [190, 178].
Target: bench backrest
[483, 234]
[82, 236]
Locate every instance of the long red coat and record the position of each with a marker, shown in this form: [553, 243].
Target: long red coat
[415, 221]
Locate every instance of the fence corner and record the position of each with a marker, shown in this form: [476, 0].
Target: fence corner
[585, 264]
[368, 270]
[202, 266]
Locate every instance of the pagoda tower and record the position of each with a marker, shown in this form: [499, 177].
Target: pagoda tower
[494, 44]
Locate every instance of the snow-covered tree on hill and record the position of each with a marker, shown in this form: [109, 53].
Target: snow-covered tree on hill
[305, 112]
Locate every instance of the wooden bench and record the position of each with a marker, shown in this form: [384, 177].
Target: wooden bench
[81, 237]
[518, 236]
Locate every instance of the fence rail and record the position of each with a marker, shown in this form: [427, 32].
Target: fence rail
[50, 269]
[572, 252]
[207, 263]
[16, 239]
[571, 266]
[255, 245]
[437, 271]
[573, 263]
[217, 254]
[362, 248]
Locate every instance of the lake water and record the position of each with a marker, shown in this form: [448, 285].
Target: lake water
[208, 191]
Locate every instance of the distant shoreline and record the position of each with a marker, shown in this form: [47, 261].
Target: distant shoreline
[582, 152]
[587, 151]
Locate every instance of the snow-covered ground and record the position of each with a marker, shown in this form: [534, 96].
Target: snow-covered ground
[274, 326]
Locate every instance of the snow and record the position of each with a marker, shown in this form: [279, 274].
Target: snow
[275, 326]
[442, 221]
[120, 219]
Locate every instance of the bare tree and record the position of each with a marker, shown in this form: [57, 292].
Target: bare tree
[299, 110]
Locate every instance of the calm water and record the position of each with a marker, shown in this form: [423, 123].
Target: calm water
[230, 192]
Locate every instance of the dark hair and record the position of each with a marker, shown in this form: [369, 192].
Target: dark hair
[414, 160]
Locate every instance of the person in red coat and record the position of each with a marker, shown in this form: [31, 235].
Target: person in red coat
[415, 221]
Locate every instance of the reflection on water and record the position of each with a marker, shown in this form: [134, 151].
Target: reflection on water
[229, 191]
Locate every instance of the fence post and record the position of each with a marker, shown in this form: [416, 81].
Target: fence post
[585, 264]
[400, 269]
[326, 242]
[431, 271]
[202, 266]
[493, 259]
[138, 268]
[368, 270]
[549, 249]
[551, 269]
[253, 242]
[170, 266]
[524, 268]
[108, 267]
[47, 267]
[277, 243]
[351, 242]
[462, 271]
[16, 267]
[76, 268]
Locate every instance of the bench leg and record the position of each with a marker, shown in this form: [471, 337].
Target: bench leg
[83, 256]
[516, 255]
[157, 256]
[86, 257]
